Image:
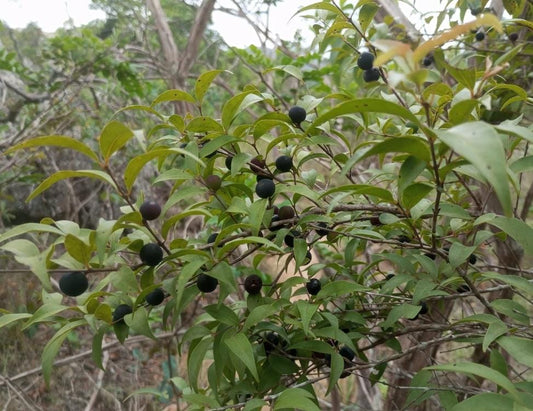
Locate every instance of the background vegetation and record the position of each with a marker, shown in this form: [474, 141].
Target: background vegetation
[411, 198]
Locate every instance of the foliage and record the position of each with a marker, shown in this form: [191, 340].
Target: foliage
[408, 192]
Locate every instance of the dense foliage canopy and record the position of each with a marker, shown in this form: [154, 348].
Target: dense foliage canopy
[285, 219]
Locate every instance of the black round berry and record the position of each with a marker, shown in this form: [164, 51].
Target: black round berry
[428, 60]
[513, 37]
[213, 182]
[265, 188]
[323, 230]
[402, 238]
[480, 36]
[253, 284]
[206, 283]
[228, 161]
[313, 286]
[212, 238]
[308, 257]
[284, 163]
[156, 297]
[424, 309]
[463, 288]
[472, 259]
[272, 338]
[289, 238]
[120, 312]
[389, 276]
[347, 353]
[150, 210]
[365, 60]
[371, 75]
[297, 114]
[275, 218]
[151, 254]
[73, 284]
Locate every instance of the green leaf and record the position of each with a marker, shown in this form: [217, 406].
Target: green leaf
[306, 311]
[61, 175]
[223, 314]
[243, 350]
[137, 163]
[217, 143]
[44, 312]
[293, 398]
[203, 82]
[480, 144]
[139, 322]
[140, 107]
[29, 228]
[462, 111]
[520, 231]
[173, 95]
[511, 309]
[96, 352]
[52, 347]
[410, 169]
[366, 15]
[495, 330]
[7, 319]
[202, 400]
[290, 70]
[236, 105]
[258, 314]
[362, 189]
[486, 402]
[423, 289]
[113, 137]
[412, 145]
[366, 105]
[521, 349]
[340, 287]
[481, 371]
[57, 141]
[513, 280]
[459, 254]
[195, 361]
[508, 127]
[337, 367]
[203, 124]
[414, 193]
[255, 404]
[404, 310]
[78, 249]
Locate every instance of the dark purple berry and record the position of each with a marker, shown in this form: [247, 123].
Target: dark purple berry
[365, 60]
[151, 254]
[313, 286]
[297, 114]
[150, 210]
[73, 284]
[253, 284]
[156, 297]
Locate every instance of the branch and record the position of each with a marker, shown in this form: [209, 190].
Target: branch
[76, 357]
[198, 29]
[168, 45]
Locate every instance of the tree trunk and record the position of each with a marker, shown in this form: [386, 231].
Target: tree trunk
[178, 65]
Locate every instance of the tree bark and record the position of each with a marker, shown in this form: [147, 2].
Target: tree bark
[198, 29]
[178, 64]
[168, 45]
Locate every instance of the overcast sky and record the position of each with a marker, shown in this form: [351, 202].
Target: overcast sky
[51, 14]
